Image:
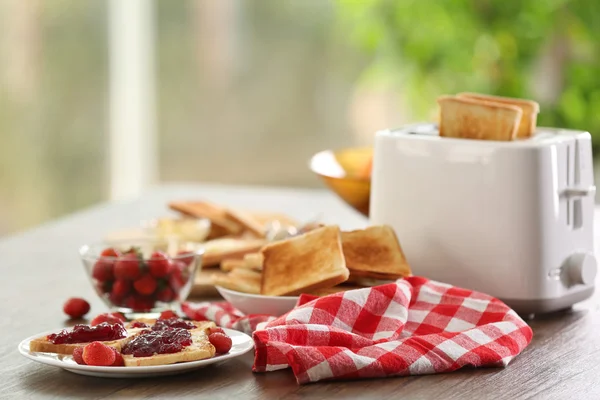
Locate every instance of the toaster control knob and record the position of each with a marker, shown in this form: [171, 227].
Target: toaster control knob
[582, 268]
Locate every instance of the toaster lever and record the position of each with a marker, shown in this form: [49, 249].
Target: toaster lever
[580, 191]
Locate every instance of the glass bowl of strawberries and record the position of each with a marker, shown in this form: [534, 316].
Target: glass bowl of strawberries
[142, 277]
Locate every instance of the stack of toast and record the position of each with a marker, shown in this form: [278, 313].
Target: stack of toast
[322, 261]
[234, 233]
[485, 117]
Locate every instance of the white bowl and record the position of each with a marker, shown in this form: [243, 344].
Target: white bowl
[257, 303]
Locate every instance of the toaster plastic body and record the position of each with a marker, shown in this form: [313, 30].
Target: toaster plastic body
[511, 219]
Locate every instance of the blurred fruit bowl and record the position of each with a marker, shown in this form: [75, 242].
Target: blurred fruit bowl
[144, 276]
[347, 172]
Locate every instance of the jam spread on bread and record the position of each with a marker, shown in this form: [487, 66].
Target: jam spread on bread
[84, 334]
[163, 324]
[163, 341]
[139, 324]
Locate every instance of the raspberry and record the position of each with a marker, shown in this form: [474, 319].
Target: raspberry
[121, 288]
[158, 264]
[145, 285]
[118, 359]
[216, 330]
[221, 342]
[168, 314]
[78, 355]
[76, 307]
[128, 267]
[97, 353]
[166, 295]
[111, 318]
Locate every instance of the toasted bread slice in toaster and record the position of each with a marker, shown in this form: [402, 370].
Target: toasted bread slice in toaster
[477, 119]
[240, 279]
[311, 261]
[374, 253]
[200, 349]
[529, 108]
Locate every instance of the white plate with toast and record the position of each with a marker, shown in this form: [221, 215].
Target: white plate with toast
[242, 344]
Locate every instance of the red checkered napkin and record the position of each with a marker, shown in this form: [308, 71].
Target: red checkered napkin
[412, 327]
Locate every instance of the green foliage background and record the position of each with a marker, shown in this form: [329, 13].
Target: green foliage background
[431, 47]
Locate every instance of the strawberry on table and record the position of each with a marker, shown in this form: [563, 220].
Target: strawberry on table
[76, 307]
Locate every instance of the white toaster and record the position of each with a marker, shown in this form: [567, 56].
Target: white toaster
[511, 219]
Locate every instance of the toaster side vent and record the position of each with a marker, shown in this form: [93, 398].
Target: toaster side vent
[577, 206]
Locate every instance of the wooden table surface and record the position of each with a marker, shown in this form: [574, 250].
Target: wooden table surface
[41, 268]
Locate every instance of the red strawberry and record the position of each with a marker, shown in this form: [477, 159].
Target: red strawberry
[168, 314]
[158, 264]
[145, 285]
[97, 353]
[118, 315]
[139, 303]
[176, 279]
[188, 259]
[116, 300]
[216, 330]
[103, 270]
[110, 252]
[76, 307]
[119, 362]
[121, 288]
[78, 355]
[166, 295]
[128, 267]
[221, 342]
[110, 318]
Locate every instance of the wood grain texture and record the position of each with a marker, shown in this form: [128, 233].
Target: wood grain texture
[40, 269]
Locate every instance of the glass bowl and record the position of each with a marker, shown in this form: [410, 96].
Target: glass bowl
[347, 172]
[142, 277]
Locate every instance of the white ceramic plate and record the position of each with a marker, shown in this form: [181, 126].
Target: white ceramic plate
[242, 344]
[257, 303]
